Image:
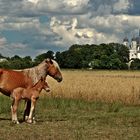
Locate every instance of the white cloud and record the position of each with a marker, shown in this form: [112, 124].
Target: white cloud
[18, 46]
[67, 22]
[33, 1]
[99, 29]
[12, 23]
[77, 35]
[76, 3]
[3, 42]
[74, 23]
[121, 5]
[54, 7]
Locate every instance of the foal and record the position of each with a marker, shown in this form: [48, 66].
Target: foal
[31, 93]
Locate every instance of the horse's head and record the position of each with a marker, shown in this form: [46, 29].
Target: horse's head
[53, 69]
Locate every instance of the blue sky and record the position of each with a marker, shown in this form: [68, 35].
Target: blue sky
[32, 27]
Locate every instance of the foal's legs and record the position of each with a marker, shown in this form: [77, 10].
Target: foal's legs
[27, 111]
[33, 102]
[14, 111]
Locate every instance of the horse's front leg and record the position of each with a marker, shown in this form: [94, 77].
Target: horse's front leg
[33, 102]
[14, 111]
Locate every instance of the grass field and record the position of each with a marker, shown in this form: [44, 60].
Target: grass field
[106, 86]
[87, 105]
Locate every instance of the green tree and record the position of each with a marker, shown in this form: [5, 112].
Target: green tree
[27, 62]
[103, 56]
[41, 57]
[135, 65]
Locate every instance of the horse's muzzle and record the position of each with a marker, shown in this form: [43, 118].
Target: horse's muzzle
[59, 79]
[47, 89]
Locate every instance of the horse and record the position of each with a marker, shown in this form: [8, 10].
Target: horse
[31, 93]
[11, 79]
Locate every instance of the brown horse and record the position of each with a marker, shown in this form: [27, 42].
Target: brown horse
[11, 79]
[31, 93]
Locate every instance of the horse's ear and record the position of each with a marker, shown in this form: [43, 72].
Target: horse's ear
[49, 60]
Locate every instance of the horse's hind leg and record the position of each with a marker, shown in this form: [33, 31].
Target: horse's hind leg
[27, 110]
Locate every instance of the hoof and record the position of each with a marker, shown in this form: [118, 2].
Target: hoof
[15, 122]
[26, 118]
[29, 121]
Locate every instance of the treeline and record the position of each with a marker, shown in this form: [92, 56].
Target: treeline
[103, 56]
[17, 62]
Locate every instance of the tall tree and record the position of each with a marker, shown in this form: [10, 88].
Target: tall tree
[41, 57]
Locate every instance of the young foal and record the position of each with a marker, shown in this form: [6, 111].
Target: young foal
[31, 93]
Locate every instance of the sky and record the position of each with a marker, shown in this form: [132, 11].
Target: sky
[32, 27]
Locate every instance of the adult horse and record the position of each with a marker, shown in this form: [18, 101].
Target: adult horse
[11, 79]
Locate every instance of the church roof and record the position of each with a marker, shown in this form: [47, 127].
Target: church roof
[133, 39]
[125, 39]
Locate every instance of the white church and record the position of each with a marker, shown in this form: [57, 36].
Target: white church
[134, 46]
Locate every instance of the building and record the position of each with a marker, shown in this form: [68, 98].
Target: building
[134, 46]
[3, 60]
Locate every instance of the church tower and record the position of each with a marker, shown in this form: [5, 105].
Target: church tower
[134, 46]
[133, 50]
[126, 42]
[133, 43]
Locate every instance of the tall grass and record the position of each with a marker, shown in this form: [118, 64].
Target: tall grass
[105, 86]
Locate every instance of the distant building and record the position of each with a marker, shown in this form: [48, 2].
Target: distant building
[3, 60]
[134, 46]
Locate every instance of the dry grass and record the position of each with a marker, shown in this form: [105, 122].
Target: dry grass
[106, 86]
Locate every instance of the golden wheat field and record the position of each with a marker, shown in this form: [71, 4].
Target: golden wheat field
[106, 86]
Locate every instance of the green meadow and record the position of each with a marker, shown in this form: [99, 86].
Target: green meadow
[72, 119]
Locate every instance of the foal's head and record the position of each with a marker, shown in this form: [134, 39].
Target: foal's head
[42, 84]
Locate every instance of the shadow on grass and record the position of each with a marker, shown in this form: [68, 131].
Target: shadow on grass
[2, 119]
[9, 119]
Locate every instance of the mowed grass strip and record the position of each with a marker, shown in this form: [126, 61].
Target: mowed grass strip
[72, 119]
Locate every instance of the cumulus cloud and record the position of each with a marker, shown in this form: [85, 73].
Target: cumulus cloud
[73, 34]
[18, 46]
[33, 1]
[3, 42]
[55, 25]
[121, 6]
